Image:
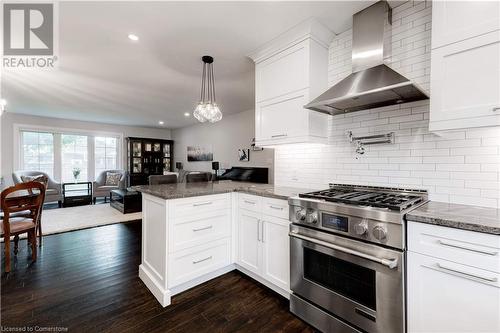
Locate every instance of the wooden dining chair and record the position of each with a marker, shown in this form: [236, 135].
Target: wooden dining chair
[20, 198]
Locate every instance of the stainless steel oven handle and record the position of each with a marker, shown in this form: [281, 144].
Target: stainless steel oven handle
[391, 263]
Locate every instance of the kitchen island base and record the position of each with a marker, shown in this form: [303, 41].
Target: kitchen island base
[190, 240]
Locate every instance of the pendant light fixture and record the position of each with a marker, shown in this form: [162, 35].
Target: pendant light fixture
[207, 109]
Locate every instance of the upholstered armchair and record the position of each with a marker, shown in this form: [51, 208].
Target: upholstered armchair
[53, 193]
[100, 189]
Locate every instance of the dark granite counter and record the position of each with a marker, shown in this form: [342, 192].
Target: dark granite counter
[473, 218]
[185, 190]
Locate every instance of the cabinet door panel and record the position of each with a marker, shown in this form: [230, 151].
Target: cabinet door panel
[284, 118]
[441, 299]
[454, 21]
[283, 73]
[248, 240]
[465, 81]
[276, 252]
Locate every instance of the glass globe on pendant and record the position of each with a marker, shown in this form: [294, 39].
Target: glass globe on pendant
[207, 113]
[198, 112]
[217, 115]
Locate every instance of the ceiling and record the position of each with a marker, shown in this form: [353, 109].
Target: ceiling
[105, 77]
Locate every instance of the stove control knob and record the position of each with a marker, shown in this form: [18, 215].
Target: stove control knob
[312, 217]
[380, 233]
[300, 215]
[361, 228]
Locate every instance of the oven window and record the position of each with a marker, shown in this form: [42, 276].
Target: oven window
[347, 279]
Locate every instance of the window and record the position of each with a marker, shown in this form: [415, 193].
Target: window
[105, 154]
[60, 154]
[38, 152]
[74, 157]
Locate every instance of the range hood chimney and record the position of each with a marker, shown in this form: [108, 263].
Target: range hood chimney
[372, 83]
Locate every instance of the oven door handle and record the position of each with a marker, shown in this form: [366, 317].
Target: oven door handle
[391, 263]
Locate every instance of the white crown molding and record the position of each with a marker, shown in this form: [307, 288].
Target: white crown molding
[308, 29]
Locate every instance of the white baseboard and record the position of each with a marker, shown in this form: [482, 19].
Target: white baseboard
[202, 279]
[284, 293]
[163, 296]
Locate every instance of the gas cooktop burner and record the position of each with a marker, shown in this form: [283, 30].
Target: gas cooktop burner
[380, 197]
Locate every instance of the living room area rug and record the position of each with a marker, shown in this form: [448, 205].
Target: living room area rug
[55, 221]
[59, 220]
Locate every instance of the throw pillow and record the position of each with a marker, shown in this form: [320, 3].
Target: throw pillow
[38, 178]
[113, 178]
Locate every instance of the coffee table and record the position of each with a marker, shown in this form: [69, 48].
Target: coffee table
[77, 194]
[126, 200]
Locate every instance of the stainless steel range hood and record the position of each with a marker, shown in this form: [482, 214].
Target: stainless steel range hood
[372, 83]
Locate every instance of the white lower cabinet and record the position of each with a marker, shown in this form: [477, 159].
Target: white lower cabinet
[263, 245]
[447, 297]
[249, 249]
[276, 251]
[447, 292]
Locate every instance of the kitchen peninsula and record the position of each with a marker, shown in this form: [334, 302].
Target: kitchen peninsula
[193, 232]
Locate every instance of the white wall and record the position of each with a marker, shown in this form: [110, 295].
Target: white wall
[459, 167]
[10, 119]
[225, 137]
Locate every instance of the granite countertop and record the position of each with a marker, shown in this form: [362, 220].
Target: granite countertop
[474, 218]
[185, 190]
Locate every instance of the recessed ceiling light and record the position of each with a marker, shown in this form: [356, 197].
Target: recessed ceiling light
[187, 114]
[161, 122]
[133, 37]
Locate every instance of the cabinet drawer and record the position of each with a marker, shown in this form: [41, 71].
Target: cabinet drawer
[275, 207]
[444, 296]
[195, 262]
[249, 202]
[198, 231]
[199, 205]
[460, 246]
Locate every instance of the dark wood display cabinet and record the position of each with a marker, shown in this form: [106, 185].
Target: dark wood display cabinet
[146, 157]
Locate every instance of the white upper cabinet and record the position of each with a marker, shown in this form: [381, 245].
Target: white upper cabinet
[465, 65]
[274, 76]
[454, 21]
[289, 72]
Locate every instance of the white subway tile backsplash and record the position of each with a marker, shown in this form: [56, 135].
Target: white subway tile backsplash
[475, 151]
[444, 159]
[457, 166]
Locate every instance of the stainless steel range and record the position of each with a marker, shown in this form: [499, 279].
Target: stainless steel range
[347, 257]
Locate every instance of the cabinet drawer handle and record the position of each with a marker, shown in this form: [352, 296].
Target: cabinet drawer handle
[201, 260]
[496, 108]
[274, 207]
[249, 202]
[278, 135]
[463, 247]
[262, 231]
[467, 274]
[204, 228]
[202, 204]
[258, 230]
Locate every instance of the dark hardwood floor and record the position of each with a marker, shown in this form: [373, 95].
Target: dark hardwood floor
[87, 281]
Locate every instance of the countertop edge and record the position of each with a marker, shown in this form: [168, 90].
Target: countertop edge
[449, 223]
[237, 190]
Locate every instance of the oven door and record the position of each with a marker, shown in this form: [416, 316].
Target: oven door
[358, 282]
